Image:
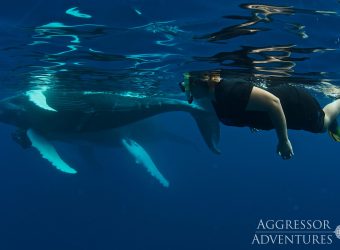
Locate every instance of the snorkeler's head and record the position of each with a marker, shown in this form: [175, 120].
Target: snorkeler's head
[198, 85]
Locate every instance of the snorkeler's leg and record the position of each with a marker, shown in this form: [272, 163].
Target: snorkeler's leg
[332, 111]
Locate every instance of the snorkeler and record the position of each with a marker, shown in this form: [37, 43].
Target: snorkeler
[241, 104]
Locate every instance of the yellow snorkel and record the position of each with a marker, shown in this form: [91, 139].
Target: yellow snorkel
[186, 87]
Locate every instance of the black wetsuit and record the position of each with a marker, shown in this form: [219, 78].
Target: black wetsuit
[302, 111]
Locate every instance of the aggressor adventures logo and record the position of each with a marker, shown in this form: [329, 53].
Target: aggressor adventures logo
[294, 232]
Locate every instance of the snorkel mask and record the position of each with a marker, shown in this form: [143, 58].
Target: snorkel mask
[210, 80]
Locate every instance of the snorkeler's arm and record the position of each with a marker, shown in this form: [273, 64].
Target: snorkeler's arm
[262, 100]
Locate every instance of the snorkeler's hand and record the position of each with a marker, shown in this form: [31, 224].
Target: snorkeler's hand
[285, 149]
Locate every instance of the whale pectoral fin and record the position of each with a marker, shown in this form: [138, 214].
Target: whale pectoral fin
[48, 152]
[143, 158]
[209, 126]
[38, 98]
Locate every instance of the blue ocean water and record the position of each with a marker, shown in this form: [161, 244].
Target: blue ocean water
[213, 202]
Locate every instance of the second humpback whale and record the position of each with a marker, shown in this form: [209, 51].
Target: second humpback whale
[42, 116]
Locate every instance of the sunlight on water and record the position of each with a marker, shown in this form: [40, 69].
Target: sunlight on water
[152, 55]
[75, 12]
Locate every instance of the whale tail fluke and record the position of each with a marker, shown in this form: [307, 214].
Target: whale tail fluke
[209, 127]
[208, 123]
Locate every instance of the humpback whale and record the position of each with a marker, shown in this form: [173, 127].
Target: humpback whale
[42, 116]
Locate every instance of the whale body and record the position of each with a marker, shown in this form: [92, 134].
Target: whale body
[44, 116]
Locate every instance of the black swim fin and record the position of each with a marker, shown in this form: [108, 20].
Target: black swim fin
[334, 136]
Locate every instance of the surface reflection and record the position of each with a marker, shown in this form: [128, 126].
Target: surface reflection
[260, 13]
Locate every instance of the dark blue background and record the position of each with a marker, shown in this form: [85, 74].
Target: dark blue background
[214, 202]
